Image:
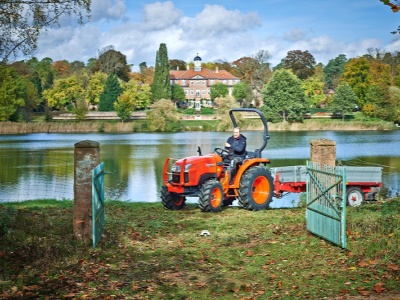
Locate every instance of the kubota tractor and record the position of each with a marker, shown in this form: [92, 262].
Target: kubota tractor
[216, 181]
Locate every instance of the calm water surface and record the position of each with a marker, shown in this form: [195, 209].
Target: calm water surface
[41, 165]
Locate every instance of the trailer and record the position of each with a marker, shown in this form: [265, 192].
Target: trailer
[362, 183]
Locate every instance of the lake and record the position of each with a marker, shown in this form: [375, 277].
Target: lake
[41, 165]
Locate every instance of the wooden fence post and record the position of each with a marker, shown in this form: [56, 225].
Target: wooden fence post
[86, 158]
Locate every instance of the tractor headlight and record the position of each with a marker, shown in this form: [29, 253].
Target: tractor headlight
[175, 169]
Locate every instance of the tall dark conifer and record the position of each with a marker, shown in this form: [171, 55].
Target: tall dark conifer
[161, 87]
[110, 94]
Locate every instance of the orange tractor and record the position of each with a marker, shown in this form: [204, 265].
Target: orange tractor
[215, 181]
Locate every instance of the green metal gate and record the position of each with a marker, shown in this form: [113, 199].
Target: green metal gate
[98, 212]
[326, 202]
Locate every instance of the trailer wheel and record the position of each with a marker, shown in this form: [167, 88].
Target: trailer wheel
[355, 196]
[256, 189]
[172, 201]
[211, 196]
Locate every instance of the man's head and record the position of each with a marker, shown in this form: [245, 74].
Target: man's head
[236, 132]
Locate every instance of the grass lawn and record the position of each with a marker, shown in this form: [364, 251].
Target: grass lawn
[147, 252]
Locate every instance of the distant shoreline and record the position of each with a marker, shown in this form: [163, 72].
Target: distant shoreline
[114, 126]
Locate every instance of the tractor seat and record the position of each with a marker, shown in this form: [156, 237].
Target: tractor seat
[255, 154]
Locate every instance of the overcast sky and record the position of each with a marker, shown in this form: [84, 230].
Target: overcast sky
[225, 30]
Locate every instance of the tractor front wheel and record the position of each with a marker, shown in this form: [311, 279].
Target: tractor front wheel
[172, 201]
[211, 196]
[256, 189]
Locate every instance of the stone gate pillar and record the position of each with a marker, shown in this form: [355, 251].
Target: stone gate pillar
[86, 157]
[323, 151]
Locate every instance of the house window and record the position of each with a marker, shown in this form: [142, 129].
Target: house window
[197, 93]
[191, 82]
[186, 91]
[224, 81]
[183, 82]
[203, 92]
[212, 81]
[198, 82]
[191, 92]
[230, 82]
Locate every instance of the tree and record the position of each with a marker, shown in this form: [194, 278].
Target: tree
[254, 71]
[333, 71]
[95, 87]
[314, 91]
[139, 93]
[218, 90]
[283, 97]
[66, 92]
[178, 92]
[22, 22]
[163, 116]
[242, 92]
[301, 63]
[124, 106]
[177, 64]
[344, 100]
[356, 74]
[394, 96]
[111, 61]
[110, 94]
[161, 87]
[11, 92]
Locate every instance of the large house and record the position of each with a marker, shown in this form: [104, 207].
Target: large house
[197, 82]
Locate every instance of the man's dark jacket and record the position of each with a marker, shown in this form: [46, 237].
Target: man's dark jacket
[238, 146]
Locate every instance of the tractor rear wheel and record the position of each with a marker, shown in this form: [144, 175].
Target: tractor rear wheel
[171, 200]
[256, 189]
[211, 196]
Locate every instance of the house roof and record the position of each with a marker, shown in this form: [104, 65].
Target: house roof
[204, 73]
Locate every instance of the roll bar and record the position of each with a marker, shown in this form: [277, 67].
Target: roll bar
[254, 110]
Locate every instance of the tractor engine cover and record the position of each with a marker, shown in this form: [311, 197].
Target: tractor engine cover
[193, 170]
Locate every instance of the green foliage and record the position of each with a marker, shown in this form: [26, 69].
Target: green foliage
[302, 63]
[344, 100]
[124, 106]
[161, 87]
[110, 94]
[356, 74]
[218, 90]
[283, 97]
[22, 22]
[111, 61]
[64, 92]
[177, 92]
[314, 91]
[12, 92]
[95, 87]
[333, 71]
[139, 93]
[241, 91]
[163, 116]
[206, 111]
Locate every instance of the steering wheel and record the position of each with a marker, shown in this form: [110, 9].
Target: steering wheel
[221, 152]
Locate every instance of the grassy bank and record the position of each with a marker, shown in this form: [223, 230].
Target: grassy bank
[150, 253]
[187, 125]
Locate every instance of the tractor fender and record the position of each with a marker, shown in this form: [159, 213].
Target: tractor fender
[248, 163]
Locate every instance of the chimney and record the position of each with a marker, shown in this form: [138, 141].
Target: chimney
[216, 69]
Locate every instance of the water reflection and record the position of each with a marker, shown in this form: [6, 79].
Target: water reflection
[41, 165]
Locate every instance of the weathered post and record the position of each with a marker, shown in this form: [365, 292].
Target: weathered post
[323, 151]
[87, 157]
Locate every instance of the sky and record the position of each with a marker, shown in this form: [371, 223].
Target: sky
[225, 30]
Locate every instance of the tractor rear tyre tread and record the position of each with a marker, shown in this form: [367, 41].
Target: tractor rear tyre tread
[211, 196]
[256, 189]
[172, 201]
